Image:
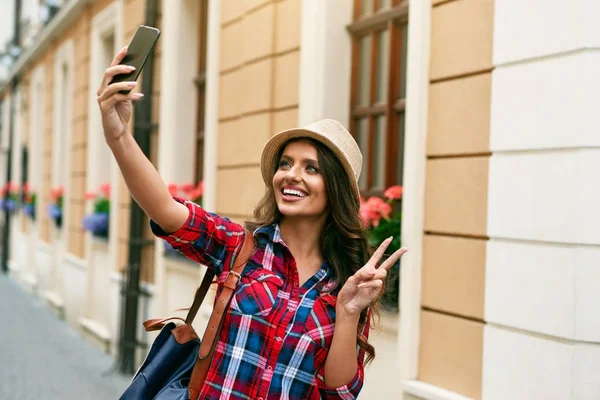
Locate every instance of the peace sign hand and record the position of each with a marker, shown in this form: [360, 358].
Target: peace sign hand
[365, 286]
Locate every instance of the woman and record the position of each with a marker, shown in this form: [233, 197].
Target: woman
[298, 324]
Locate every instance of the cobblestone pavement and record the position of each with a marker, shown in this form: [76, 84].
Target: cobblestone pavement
[41, 357]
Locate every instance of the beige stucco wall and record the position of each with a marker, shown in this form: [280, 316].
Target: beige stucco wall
[258, 94]
[79, 143]
[455, 220]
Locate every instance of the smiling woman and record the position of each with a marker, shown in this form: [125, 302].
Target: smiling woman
[301, 315]
[298, 186]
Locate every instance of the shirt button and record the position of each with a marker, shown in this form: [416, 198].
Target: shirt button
[290, 309]
[260, 398]
[270, 368]
[277, 338]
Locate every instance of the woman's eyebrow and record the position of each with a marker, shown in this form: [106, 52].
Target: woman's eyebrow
[304, 161]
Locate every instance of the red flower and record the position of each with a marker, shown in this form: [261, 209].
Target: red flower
[12, 187]
[57, 192]
[393, 192]
[373, 210]
[187, 187]
[90, 195]
[173, 190]
[105, 190]
[194, 194]
[26, 187]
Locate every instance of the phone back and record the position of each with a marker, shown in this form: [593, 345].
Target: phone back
[139, 49]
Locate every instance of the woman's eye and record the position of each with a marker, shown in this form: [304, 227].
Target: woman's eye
[312, 168]
[283, 164]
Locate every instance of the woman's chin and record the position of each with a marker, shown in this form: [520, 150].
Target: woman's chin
[289, 210]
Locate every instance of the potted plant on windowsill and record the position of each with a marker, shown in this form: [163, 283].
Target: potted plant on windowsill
[188, 192]
[382, 218]
[98, 221]
[29, 201]
[55, 208]
[9, 197]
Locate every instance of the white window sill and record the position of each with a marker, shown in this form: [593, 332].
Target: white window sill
[97, 331]
[427, 391]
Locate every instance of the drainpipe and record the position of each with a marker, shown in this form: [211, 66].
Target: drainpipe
[142, 133]
[11, 126]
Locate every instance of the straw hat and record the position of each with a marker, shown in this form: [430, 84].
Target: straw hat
[327, 131]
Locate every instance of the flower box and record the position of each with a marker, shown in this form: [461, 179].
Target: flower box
[382, 219]
[98, 221]
[9, 197]
[55, 208]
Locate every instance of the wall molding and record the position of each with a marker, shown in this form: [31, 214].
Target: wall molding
[324, 90]
[413, 204]
[106, 23]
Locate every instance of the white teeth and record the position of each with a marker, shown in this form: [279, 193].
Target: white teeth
[294, 192]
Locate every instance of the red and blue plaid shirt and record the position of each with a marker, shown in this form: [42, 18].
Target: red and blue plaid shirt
[276, 335]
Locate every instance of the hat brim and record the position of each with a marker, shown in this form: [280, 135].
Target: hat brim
[273, 146]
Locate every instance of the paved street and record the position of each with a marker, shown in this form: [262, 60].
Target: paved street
[41, 357]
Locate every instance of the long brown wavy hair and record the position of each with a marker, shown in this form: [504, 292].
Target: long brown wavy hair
[343, 238]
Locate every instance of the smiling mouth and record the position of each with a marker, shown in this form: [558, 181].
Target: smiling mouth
[293, 193]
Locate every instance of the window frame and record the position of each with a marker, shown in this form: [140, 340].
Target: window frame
[392, 19]
[200, 83]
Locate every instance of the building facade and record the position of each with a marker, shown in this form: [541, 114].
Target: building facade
[481, 110]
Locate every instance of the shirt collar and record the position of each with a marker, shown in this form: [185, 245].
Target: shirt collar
[274, 234]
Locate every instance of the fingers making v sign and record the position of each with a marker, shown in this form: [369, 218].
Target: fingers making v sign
[365, 286]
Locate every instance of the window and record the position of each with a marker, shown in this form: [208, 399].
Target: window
[379, 44]
[200, 82]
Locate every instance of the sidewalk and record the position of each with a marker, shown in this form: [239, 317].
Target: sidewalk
[41, 357]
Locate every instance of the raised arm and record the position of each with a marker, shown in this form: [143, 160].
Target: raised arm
[143, 180]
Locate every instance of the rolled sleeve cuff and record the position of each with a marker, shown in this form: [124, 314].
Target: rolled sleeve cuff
[181, 237]
[349, 391]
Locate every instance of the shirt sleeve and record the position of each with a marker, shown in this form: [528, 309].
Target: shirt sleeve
[351, 390]
[205, 237]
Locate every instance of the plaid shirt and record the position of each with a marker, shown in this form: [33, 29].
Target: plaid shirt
[276, 335]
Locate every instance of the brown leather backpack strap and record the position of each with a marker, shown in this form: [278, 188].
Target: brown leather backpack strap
[200, 295]
[215, 323]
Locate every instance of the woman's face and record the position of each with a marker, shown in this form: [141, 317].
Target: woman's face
[298, 183]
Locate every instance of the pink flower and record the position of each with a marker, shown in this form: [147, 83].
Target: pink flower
[200, 188]
[187, 187]
[195, 194]
[373, 210]
[12, 187]
[365, 215]
[26, 187]
[57, 192]
[105, 189]
[393, 192]
[173, 190]
[90, 195]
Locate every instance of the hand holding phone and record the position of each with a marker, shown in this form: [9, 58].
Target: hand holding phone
[114, 97]
[138, 51]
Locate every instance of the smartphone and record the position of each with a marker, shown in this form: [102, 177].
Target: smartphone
[138, 51]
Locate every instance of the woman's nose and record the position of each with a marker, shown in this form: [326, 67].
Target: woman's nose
[293, 174]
